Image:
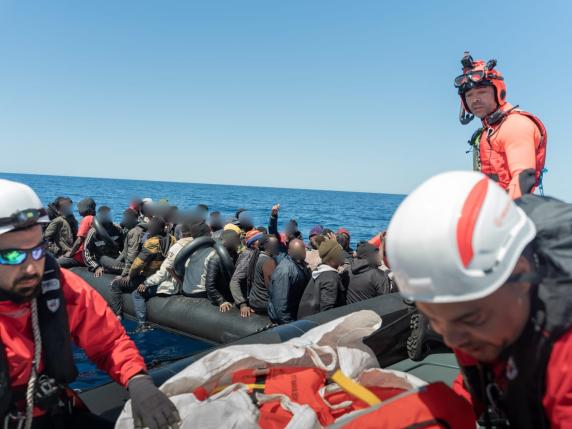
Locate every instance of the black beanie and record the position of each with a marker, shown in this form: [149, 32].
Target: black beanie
[365, 250]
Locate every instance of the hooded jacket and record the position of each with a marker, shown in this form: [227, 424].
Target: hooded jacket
[366, 281]
[59, 235]
[151, 256]
[287, 285]
[132, 246]
[324, 291]
[238, 286]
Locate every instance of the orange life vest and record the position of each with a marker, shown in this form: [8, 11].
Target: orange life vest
[305, 386]
[494, 153]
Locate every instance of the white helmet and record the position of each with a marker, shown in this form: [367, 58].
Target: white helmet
[456, 238]
[20, 207]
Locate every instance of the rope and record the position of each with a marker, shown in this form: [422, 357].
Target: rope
[30, 390]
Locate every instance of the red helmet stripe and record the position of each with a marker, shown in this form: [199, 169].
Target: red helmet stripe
[468, 220]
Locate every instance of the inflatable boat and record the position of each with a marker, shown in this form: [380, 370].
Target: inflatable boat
[388, 343]
[194, 317]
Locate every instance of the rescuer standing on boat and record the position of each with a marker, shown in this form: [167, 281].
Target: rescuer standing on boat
[499, 293]
[510, 147]
[42, 309]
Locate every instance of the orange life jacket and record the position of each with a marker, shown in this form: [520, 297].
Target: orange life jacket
[305, 386]
[494, 154]
[429, 407]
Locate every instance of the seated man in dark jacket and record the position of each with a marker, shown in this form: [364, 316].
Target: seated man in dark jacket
[288, 283]
[196, 268]
[217, 281]
[260, 272]
[325, 290]
[240, 284]
[101, 253]
[366, 280]
[60, 234]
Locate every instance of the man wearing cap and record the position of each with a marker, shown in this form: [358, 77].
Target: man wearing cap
[366, 280]
[312, 254]
[510, 147]
[42, 308]
[344, 238]
[325, 289]
[498, 292]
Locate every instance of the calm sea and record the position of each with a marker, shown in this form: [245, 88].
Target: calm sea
[362, 214]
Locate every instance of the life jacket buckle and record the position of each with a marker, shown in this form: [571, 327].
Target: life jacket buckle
[14, 421]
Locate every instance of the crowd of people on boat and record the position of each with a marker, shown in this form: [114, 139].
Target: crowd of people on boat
[274, 273]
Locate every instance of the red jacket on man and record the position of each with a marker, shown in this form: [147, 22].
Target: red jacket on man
[93, 327]
[557, 400]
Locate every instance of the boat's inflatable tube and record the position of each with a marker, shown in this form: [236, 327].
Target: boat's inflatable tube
[103, 234]
[193, 317]
[186, 252]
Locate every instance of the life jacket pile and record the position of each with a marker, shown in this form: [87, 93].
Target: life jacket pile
[429, 406]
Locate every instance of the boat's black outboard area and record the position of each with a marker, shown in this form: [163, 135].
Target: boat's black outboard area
[389, 344]
[194, 317]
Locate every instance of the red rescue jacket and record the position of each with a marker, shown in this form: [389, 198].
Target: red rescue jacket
[92, 325]
[557, 398]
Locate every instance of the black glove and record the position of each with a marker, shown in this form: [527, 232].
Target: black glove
[151, 407]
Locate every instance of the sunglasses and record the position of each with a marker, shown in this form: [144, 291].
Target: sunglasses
[18, 256]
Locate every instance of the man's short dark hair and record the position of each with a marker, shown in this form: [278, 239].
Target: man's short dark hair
[103, 209]
[130, 212]
[157, 223]
[186, 229]
[215, 213]
[58, 201]
[200, 230]
[203, 206]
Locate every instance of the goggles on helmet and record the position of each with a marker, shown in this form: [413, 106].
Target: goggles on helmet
[475, 77]
[18, 256]
[23, 218]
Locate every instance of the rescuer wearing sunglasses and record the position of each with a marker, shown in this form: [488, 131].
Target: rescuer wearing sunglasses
[510, 147]
[42, 308]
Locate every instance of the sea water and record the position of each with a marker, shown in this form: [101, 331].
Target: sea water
[363, 214]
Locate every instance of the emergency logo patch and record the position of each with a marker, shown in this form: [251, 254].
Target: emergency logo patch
[49, 285]
[53, 304]
[511, 369]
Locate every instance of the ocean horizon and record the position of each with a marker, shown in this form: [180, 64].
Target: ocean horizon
[364, 214]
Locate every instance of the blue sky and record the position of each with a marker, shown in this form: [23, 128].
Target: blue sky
[313, 94]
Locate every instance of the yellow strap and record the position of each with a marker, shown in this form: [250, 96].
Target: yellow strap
[355, 389]
[249, 386]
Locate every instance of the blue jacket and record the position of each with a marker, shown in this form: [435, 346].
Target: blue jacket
[287, 285]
